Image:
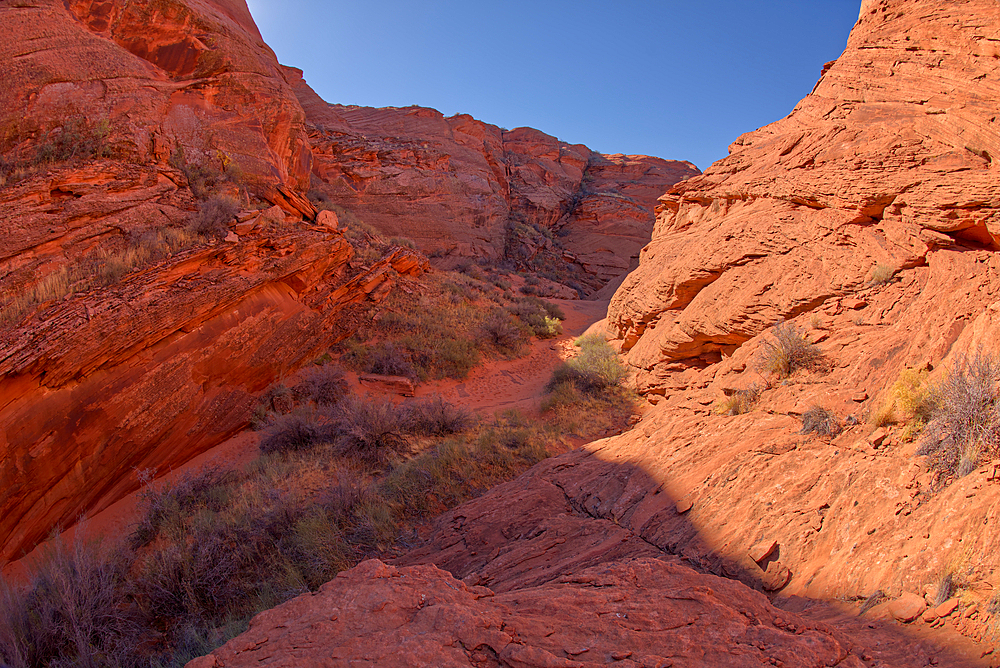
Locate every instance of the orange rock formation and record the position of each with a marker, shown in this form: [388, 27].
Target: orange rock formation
[455, 184]
[888, 162]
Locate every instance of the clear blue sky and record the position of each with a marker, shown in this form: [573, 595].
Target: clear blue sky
[678, 80]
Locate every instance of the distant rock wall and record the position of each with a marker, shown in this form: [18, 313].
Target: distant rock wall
[453, 184]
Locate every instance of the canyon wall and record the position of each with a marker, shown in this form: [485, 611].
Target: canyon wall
[457, 186]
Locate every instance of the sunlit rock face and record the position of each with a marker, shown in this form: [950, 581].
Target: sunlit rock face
[455, 184]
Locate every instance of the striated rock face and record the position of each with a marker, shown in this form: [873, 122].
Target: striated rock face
[455, 184]
[161, 74]
[154, 369]
[637, 613]
[888, 161]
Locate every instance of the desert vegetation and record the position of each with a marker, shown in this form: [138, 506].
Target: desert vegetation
[338, 479]
[820, 421]
[30, 149]
[445, 332]
[740, 401]
[585, 391]
[963, 411]
[788, 352]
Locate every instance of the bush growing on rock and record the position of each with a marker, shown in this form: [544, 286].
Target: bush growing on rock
[964, 426]
[820, 421]
[789, 351]
[214, 216]
[740, 401]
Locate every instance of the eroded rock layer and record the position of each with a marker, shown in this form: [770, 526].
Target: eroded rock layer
[159, 75]
[637, 613]
[457, 185]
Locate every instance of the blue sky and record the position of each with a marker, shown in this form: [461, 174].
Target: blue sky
[678, 80]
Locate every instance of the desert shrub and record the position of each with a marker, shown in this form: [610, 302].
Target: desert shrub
[911, 400]
[325, 385]
[436, 417]
[503, 333]
[373, 430]
[881, 274]
[164, 504]
[818, 420]
[534, 312]
[740, 401]
[964, 426]
[788, 352]
[74, 611]
[386, 358]
[294, 431]
[595, 368]
[214, 217]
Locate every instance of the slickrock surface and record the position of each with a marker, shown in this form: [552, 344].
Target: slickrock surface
[889, 161]
[637, 613]
[453, 184]
[162, 74]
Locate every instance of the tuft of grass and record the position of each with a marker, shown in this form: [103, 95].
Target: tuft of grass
[910, 400]
[882, 274]
[291, 432]
[594, 369]
[740, 402]
[788, 352]
[820, 421]
[964, 426]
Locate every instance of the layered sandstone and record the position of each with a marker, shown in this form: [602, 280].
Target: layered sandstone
[150, 371]
[161, 75]
[457, 185]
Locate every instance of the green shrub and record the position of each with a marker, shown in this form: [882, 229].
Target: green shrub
[789, 351]
[594, 369]
[539, 316]
[964, 426]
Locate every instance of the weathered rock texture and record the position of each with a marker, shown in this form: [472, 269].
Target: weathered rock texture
[163, 74]
[151, 371]
[637, 613]
[455, 185]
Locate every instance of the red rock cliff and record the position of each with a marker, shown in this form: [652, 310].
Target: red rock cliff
[455, 184]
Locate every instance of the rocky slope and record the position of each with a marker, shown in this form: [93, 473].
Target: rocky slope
[463, 188]
[888, 162]
[119, 364]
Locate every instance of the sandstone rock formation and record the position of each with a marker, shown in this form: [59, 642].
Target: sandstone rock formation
[643, 612]
[149, 371]
[459, 186]
[160, 75]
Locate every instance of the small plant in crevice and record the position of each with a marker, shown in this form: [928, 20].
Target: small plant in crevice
[882, 274]
[877, 597]
[788, 351]
[740, 401]
[964, 427]
[820, 421]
